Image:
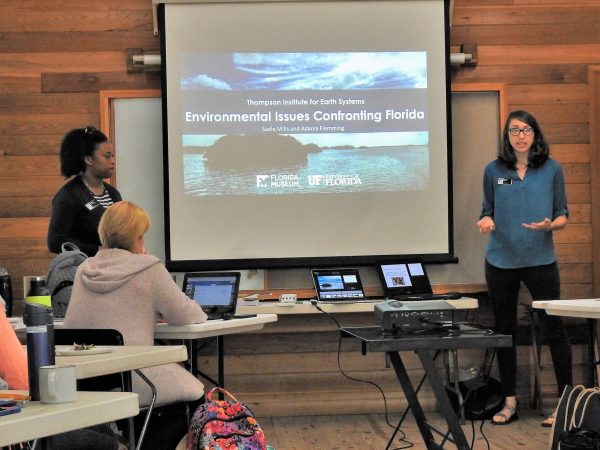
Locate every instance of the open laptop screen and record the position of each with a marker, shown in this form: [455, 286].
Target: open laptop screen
[216, 292]
[337, 284]
[406, 277]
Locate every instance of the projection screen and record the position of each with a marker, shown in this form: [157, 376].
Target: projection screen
[305, 132]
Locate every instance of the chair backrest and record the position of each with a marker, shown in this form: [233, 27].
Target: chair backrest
[98, 336]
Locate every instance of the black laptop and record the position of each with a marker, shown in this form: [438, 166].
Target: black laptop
[405, 279]
[215, 292]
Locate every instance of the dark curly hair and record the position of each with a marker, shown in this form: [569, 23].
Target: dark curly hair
[539, 151]
[76, 145]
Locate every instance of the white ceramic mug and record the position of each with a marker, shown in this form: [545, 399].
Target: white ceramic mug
[58, 384]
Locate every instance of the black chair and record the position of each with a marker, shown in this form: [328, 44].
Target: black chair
[121, 381]
[70, 336]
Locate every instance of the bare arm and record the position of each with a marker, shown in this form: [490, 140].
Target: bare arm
[548, 225]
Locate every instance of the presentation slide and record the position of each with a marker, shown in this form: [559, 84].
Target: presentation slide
[304, 132]
[253, 127]
[397, 275]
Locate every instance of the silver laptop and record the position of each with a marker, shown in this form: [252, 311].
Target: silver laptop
[338, 286]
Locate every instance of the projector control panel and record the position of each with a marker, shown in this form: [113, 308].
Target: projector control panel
[412, 316]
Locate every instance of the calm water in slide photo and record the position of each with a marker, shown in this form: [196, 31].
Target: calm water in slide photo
[374, 169]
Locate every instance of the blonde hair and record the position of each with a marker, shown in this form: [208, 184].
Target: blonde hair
[121, 224]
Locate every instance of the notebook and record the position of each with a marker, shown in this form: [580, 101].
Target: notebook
[215, 292]
[338, 285]
[405, 279]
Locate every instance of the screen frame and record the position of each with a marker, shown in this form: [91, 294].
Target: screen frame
[293, 262]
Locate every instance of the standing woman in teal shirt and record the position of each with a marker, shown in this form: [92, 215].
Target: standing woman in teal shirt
[524, 201]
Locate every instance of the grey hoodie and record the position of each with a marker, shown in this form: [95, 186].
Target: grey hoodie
[131, 293]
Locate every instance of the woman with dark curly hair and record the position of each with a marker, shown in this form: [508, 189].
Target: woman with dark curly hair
[88, 157]
[524, 201]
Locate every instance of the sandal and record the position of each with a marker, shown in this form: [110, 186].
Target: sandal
[507, 415]
[549, 420]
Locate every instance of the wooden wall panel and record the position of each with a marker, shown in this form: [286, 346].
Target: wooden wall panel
[39, 144]
[573, 253]
[565, 153]
[30, 64]
[76, 41]
[580, 213]
[31, 186]
[32, 166]
[55, 60]
[538, 54]
[533, 94]
[19, 84]
[74, 19]
[69, 103]
[578, 193]
[32, 124]
[524, 73]
[541, 12]
[569, 33]
[98, 81]
[25, 206]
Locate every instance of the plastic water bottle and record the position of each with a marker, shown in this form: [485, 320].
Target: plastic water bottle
[38, 320]
[6, 291]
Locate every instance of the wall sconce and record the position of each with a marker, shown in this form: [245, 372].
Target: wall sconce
[141, 61]
[466, 57]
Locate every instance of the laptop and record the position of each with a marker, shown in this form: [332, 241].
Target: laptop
[215, 292]
[338, 285]
[405, 279]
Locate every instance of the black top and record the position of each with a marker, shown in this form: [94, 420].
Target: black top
[76, 213]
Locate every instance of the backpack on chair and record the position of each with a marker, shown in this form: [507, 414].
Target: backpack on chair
[61, 273]
[224, 424]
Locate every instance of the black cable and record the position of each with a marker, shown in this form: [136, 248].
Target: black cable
[482, 374]
[402, 438]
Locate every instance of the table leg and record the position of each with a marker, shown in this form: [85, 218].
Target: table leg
[192, 346]
[220, 364]
[591, 378]
[439, 390]
[413, 401]
[129, 423]
[193, 351]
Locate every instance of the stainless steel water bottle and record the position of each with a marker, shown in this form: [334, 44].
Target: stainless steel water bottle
[6, 291]
[38, 320]
[38, 293]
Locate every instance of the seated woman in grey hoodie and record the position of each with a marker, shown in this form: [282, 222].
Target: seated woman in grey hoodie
[124, 288]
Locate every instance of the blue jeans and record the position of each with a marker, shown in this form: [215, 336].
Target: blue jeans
[543, 283]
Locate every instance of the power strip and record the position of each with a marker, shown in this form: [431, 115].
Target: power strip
[287, 298]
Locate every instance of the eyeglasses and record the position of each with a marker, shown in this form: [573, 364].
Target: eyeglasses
[527, 131]
[89, 130]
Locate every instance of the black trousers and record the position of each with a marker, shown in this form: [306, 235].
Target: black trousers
[543, 283]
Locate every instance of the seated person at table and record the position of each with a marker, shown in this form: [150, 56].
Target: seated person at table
[13, 358]
[124, 288]
[14, 376]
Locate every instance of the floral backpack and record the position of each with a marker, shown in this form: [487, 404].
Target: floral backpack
[224, 425]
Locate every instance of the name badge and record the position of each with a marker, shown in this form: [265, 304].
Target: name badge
[92, 204]
[504, 180]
